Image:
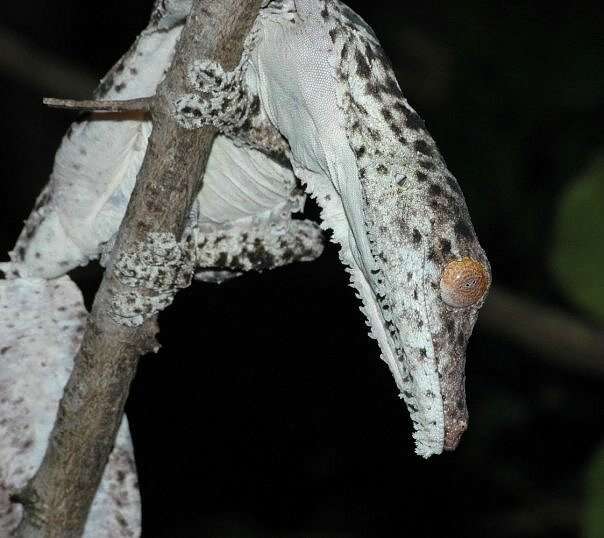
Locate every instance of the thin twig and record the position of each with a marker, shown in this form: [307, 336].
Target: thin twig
[141, 104]
[59, 495]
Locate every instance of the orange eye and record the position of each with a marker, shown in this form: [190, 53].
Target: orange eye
[464, 282]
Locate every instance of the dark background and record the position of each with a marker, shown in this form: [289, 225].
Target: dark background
[267, 411]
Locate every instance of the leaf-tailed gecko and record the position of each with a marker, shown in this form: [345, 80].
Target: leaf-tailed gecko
[315, 71]
[316, 93]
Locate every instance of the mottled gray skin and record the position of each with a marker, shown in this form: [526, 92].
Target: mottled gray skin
[399, 221]
[236, 251]
[412, 203]
[224, 101]
[161, 266]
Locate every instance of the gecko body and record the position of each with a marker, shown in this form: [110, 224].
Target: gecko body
[316, 89]
[397, 212]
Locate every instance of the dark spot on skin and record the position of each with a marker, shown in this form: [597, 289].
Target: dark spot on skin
[461, 339]
[421, 176]
[121, 475]
[422, 352]
[360, 151]
[409, 276]
[260, 257]
[344, 53]
[287, 255]
[221, 260]
[412, 119]
[133, 71]
[451, 181]
[373, 89]
[426, 165]
[381, 169]
[363, 69]
[462, 230]
[255, 106]
[390, 87]
[247, 125]
[423, 147]
[374, 134]
[415, 294]
[120, 87]
[30, 231]
[445, 247]
[325, 13]
[434, 190]
[417, 237]
[4, 350]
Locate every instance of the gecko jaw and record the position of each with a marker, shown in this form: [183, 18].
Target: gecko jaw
[454, 432]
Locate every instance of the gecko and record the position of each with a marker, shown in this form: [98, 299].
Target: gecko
[316, 72]
[314, 100]
[242, 220]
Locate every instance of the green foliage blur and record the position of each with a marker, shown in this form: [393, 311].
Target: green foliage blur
[578, 254]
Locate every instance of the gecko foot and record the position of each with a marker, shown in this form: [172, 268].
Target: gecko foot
[220, 98]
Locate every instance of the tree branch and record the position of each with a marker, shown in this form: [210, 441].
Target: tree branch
[58, 497]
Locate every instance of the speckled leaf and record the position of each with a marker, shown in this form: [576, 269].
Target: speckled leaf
[578, 253]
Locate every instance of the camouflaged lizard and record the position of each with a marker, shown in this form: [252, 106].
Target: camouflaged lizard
[314, 97]
[315, 71]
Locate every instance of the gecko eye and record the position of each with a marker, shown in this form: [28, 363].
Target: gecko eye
[464, 282]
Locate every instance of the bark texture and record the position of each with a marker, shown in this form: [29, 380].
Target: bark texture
[57, 499]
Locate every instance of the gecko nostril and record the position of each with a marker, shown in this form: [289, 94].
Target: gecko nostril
[464, 282]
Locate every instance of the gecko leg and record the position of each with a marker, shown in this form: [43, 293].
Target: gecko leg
[153, 274]
[227, 253]
[223, 99]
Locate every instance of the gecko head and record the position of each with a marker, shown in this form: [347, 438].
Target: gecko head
[430, 279]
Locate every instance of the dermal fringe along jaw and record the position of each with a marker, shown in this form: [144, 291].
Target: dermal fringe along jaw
[398, 213]
[314, 87]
